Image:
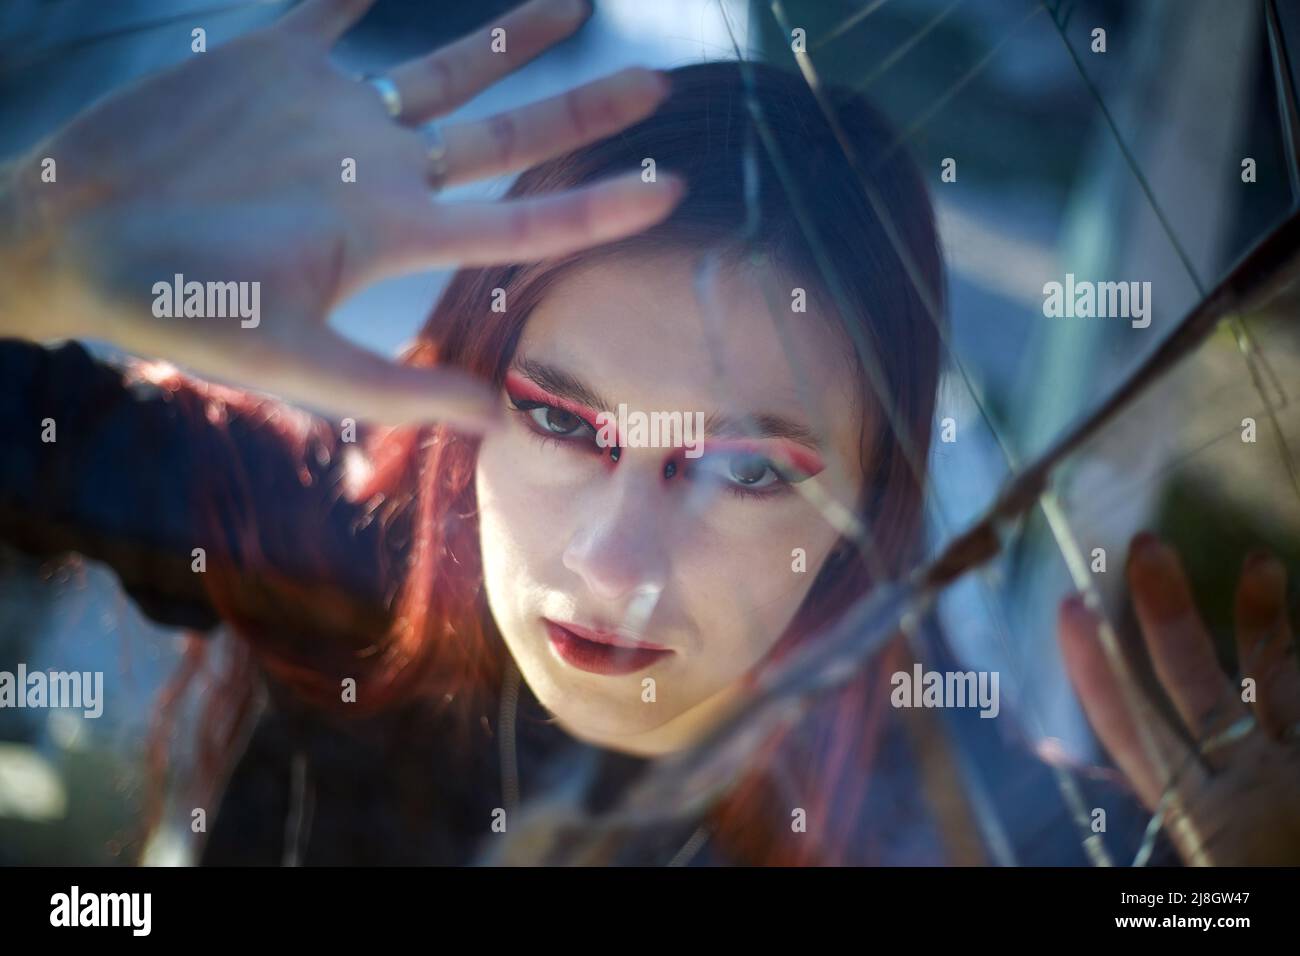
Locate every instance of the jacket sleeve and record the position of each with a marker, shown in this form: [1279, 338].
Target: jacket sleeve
[98, 460]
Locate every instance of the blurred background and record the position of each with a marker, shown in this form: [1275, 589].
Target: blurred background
[1119, 156]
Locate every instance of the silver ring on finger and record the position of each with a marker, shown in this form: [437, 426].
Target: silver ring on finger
[437, 167]
[388, 92]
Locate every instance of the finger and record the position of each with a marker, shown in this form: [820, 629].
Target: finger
[325, 20]
[438, 83]
[521, 137]
[331, 374]
[324, 372]
[1102, 696]
[1180, 647]
[523, 229]
[1264, 646]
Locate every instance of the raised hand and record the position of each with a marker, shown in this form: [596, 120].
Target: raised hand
[229, 169]
[1238, 802]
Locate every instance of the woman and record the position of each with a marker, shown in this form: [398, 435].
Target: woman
[397, 600]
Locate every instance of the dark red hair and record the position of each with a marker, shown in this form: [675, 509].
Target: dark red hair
[442, 641]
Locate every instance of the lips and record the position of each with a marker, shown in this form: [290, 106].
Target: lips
[602, 652]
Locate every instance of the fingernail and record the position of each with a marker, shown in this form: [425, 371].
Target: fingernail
[1075, 620]
[1144, 544]
[1148, 555]
[1155, 578]
[674, 183]
[638, 79]
[1075, 608]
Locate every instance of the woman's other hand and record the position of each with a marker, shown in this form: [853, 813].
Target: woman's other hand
[1239, 802]
[232, 168]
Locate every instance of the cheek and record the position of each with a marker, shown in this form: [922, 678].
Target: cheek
[745, 572]
[527, 494]
[508, 530]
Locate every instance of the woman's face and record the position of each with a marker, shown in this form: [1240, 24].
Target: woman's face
[636, 590]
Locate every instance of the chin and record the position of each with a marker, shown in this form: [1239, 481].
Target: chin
[596, 710]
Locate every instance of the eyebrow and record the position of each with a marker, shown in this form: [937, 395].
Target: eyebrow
[561, 384]
[760, 426]
[564, 385]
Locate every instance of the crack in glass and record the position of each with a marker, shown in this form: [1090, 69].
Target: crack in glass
[553, 827]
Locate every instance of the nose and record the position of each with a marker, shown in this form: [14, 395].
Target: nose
[619, 548]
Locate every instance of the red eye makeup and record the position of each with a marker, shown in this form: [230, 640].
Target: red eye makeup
[794, 461]
[519, 387]
[560, 408]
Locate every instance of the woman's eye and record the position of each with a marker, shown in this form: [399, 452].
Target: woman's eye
[748, 471]
[556, 421]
